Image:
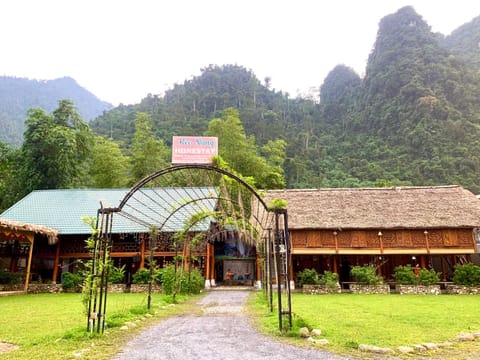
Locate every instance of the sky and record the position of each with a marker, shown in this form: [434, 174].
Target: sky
[123, 50]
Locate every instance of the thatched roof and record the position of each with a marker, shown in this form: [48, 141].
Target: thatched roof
[380, 208]
[16, 226]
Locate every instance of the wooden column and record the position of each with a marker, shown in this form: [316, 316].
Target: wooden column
[56, 262]
[444, 269]
[335, 264]
[207, 263]
[423, 263]
[31, 238]
[142, 253]
[259, 267]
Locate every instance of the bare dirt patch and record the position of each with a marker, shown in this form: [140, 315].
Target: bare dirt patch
[6, 347]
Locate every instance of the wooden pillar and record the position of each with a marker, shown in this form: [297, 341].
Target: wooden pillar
[444, 269]
[31, 238]
[207, 263]
[142, 253]
[56, 262]
[423, 263]
[213, 275]
[259, 268]
[335, 264]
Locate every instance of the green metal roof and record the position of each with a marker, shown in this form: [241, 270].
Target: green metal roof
[166, 208]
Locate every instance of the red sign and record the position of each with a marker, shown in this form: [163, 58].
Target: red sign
[194, 149]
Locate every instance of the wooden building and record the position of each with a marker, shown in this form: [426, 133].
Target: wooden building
[54, 220]
[330, 229]
[17, 241]
[334, 229]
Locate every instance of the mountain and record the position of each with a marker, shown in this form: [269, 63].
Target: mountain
[414, 119]
[465, 42]
[416, 115]
[18, 95]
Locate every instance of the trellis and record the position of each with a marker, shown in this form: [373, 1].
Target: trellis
[190, 198]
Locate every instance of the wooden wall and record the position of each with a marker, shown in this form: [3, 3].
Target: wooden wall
[384, 240]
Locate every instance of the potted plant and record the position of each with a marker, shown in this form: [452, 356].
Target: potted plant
[466, 280]
[368, 281]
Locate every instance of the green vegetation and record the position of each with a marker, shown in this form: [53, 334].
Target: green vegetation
[413, 119]
[311, 277]
[366, 275]
[18, 95]
[10, 278]
[53, 326]
[348, 320]
[407, 275]
[181, 282]
[467, 275]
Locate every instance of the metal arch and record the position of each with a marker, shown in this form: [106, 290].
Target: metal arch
[279, 244]
[173, 168]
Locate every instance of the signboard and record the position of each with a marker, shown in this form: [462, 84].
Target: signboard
[194, 149]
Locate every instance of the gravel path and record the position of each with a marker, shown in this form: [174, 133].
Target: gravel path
[221, 332]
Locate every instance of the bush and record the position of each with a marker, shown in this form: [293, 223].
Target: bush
[467, 275]
[116, 275]
[404, 275]
[428, 277]
[142, 276]
[181, 282]
[366, 275]
[308, 277]
[329, 279]
[71, 280]
[10, 278]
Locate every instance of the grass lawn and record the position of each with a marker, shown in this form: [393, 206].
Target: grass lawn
[347, 320]
[53, 326]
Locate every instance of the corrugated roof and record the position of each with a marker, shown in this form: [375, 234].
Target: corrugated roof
[63, 209]
[380, 208]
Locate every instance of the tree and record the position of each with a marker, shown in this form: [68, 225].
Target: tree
[108, 167]
[9, 158]
[149, 154]
[241, 153]
[55, 148]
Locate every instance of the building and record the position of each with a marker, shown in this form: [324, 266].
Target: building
[334, 229]
[44, 235]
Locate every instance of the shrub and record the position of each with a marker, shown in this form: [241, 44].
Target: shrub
[404, 275]
[467, 275]
[71, 280]
[428, 277]
[329, 279]
[116, 275]
[142, 276]
[10, 278]
[366, 275]
[181, 282]
[308, 277]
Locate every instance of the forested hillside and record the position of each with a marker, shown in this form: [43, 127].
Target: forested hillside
[413, 119]
[465, 42]
[18, 95]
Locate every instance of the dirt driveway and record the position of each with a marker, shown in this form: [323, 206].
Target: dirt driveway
[220, 332]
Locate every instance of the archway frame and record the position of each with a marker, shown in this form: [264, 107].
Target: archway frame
[189, 189]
